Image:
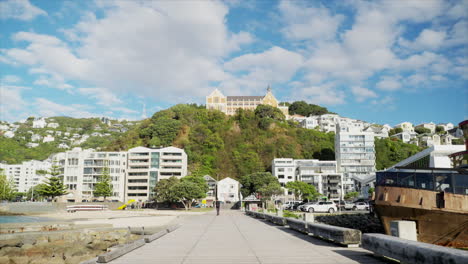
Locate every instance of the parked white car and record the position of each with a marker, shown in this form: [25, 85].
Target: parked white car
[361, 206]
[321, 207]
[289, 204]
[302, 207]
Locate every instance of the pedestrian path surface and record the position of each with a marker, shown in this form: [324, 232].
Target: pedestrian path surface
[233, 237]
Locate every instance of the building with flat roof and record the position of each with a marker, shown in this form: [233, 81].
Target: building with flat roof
[146, 166]
[81, 169]
[27, 174]
[323, 175]
[355, 156]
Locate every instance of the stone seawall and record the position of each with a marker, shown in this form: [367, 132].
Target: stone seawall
[67, 246]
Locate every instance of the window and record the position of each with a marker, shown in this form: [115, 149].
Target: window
[280, 176]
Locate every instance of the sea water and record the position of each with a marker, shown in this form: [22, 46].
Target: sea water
[22, 219]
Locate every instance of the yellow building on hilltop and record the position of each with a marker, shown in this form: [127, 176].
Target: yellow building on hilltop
[229, 104]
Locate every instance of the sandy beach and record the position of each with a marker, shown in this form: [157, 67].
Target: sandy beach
[127, 218]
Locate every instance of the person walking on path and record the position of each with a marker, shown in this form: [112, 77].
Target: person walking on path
[218, 205]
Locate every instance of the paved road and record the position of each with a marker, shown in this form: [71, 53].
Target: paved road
[233, 237]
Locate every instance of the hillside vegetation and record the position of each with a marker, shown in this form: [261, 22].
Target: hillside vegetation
[232, 146]
[73, 132]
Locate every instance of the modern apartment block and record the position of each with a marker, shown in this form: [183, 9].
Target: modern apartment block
[27, 174]
[322, 174]
[355, 156]
[229, 104]
[133, 173]
[147, 166]
[82, 169]
[284, 169]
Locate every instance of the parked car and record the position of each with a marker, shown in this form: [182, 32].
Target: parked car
[289, 204]
[296, 206]
[321, 207]
[301, 207]
[361, 206]
[345, 205]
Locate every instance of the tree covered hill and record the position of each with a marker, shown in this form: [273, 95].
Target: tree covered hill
[232, 146]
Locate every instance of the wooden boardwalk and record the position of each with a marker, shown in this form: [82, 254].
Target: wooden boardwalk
[233, 237]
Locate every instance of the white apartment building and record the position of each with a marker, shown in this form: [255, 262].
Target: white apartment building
[81, 169]
[406, 126]
[431, 126]
[329, 122]
[147, 166]
[429, 141]
[285, 170]
[446, 126]
[27, 174]
[323, 175]
[53, 125]
[406, 136]
[39, 123]
[228, 190]
[355, 156]
[379, 132]
[9, 134]
[32, 145]
[48, 138]
[36, 137]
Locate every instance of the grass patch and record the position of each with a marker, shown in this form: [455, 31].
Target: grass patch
[290, 214]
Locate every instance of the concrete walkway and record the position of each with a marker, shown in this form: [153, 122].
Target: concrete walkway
[233, 237]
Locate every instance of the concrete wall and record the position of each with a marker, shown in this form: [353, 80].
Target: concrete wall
[407, 251]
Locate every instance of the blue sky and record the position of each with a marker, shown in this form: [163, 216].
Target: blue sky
[379, 61]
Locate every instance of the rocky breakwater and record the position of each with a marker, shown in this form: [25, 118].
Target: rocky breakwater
[64, 246]
[363, 222]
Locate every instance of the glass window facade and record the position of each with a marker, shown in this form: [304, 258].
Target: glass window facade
[155, 160]
[438, 181]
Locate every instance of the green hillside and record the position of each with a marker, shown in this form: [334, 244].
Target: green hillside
[241, 144]
[230, 146]
[14, 150]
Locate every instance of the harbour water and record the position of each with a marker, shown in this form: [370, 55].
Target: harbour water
[22, 219]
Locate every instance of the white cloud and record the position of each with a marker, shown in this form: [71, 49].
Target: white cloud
[362, 93]
[102, 95]
[389, 83]
[458, 34]
[256, 71]
[9, 79]
[438, 78]
[428, 39]
[416, 79]
[48, 108]
[164, 49]
[12, 102]
[386, 103]
[19, 9]
[53, 81]
[325, 94]
[49, 53]
[303, 22]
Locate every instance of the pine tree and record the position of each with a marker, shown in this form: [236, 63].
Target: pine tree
[103, 187]
[54, 185]
[7, 187]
